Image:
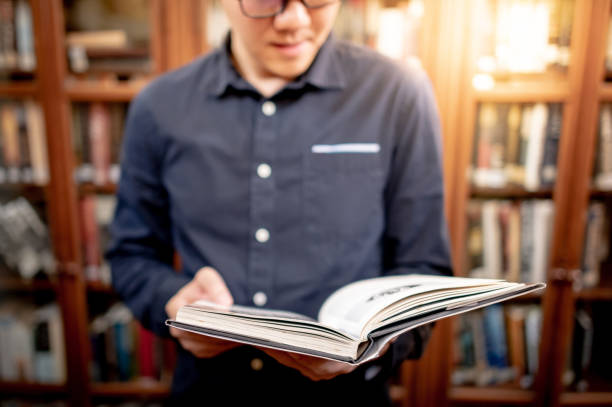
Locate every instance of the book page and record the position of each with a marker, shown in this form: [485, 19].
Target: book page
[352, 306]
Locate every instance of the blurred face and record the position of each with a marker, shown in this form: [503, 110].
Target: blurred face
[281, 46]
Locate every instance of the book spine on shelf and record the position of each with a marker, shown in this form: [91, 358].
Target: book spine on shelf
[99, 133]
[25, 36]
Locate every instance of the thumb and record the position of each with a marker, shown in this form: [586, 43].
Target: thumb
[212, 284]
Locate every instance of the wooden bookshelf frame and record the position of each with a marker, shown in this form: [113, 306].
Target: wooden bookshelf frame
[178, 36]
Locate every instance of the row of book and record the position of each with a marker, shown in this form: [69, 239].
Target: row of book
[122, 350]
[516, 144]
[97, 130]
[96, 214]
[603, 152]
[16, 36]
[509, 240]
[25, 245]
[596, 249]
[497, 345]
[31, 343]
[522, 36]
[589, 356]
[23, 144]
[108, 38]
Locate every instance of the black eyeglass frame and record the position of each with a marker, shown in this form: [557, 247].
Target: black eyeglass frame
[283, 7]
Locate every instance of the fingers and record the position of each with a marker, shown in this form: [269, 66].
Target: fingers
[312, 367]
[213, 285]
[206, 349]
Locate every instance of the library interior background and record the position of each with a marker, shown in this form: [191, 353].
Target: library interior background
[524, 93]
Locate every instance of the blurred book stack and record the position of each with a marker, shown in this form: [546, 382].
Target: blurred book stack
[123, 350]
[516, 145]
[97, 130]
[96, 214]
[31, 343]
[23, 146]
[497, 346]
[25, 246]
[509, 240]
[17, 54]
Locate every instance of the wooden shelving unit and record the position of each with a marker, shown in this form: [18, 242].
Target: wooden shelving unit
[142, 389]
[16, 284]
[33, 389]
[487, 396]
[586, 399]
[509, 193]
[18, 89]
[177, 37]
[94, 92]
[518, 92]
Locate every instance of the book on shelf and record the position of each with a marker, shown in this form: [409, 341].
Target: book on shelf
[97, 130]
[504, 46]
[110, 37]
[516, 144]
[603, 154]
[25, 245]
[95, 216]
[509, 240]
[23, 145]
[16, 36]
[492, 346]
[596, 244]
[356, 321]
[122, 350]
[31, 343]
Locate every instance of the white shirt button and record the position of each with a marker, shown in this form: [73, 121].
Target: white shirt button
[268, 108]
[260, 299]
[256, 364]
[264, 170]
[262, 235]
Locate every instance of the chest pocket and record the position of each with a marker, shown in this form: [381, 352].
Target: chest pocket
[343, 203]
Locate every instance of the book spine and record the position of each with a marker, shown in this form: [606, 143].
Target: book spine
[8, 60]
[38, 143]
[25, 162]
[25, 36]
[91, 239]
[535, 147]
[10, 133]
[548, 172]
[99, 129]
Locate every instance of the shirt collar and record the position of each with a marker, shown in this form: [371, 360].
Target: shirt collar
[324, 73]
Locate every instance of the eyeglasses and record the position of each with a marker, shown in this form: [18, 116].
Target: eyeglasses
[271, 8]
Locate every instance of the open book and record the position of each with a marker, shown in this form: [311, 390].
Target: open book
[356, 321]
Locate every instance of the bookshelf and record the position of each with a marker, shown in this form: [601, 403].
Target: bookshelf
[448, 52]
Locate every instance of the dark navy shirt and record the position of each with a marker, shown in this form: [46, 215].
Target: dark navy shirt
[335, 178]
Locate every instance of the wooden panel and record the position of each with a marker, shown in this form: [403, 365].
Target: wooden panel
[27, 89]
[586, 399]
[50, 52]
[572, 191]
[95, 92]
[139, 389]
[32, 389]
[525, 92]
[487, 396]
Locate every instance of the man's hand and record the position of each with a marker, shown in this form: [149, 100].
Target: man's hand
[313, 367]
[206, 285]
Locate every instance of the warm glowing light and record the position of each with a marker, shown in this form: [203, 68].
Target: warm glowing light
[483, 81]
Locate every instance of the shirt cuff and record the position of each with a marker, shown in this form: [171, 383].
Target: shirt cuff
[166, 289]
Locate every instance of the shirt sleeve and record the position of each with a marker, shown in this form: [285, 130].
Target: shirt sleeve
[141, 250]
[416, 236]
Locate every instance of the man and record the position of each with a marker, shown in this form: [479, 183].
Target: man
[280, 167]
